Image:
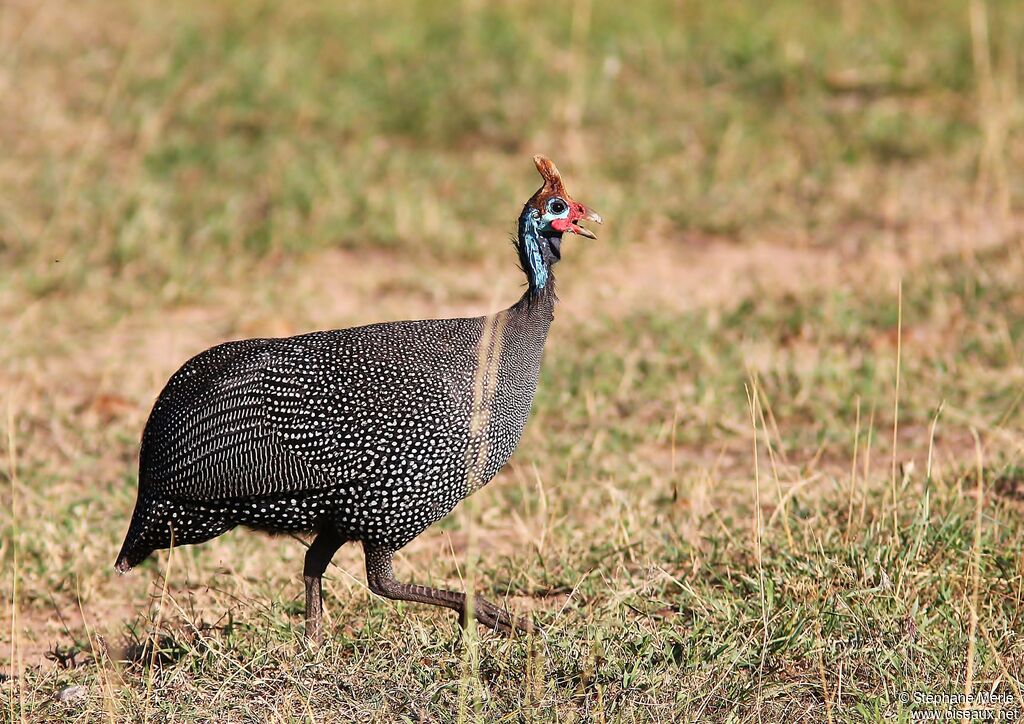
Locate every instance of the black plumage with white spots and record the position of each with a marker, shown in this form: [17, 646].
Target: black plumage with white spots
[366, 434]
[368, 429]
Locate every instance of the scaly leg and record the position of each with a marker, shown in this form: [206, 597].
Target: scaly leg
[318, 556]
[380, 577]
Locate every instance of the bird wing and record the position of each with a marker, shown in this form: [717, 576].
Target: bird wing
[206, 438]
[372, 402]
[267, 416]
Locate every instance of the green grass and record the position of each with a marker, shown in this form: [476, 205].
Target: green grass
[258, 128]
[706, 513]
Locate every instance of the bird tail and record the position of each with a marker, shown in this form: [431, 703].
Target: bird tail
[138, 543]
[132, 553]
[124, 562]
[154, 526]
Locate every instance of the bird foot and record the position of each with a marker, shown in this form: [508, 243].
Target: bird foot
[499, 620]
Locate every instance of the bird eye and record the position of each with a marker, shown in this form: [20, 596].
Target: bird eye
[557, 206]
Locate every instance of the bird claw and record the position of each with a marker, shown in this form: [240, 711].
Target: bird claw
[499, 620]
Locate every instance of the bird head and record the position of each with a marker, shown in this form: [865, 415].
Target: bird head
[558, 212]
[548, 214]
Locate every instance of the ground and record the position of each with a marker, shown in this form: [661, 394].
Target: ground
[775, 468]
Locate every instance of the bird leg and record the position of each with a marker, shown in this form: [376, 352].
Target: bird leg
[318, 556]
[380, 577]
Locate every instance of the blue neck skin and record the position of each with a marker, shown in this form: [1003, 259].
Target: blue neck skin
[534, 250]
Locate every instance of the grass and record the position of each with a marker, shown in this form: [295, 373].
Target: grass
[707, 512]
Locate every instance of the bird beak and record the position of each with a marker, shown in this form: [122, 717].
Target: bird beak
[589, 215]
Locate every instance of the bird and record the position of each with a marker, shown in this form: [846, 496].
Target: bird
[368, 434]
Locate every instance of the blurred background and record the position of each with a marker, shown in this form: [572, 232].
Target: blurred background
[779, 375]
[161, 141]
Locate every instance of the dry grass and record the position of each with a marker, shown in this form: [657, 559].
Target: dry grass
[715, 512]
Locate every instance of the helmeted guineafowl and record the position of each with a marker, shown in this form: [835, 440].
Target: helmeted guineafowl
[367, 434]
